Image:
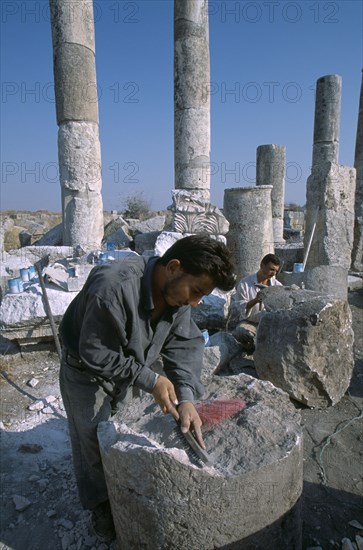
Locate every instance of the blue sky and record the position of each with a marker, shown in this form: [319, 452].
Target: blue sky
[265, 59]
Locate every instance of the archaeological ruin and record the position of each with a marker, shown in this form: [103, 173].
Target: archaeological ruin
[304, 352]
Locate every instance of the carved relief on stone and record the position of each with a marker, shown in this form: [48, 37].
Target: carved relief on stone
[193, 215]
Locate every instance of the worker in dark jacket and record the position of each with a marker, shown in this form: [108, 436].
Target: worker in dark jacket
[127, 314]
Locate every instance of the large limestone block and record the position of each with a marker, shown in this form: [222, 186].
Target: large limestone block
[304, 345]
[247, 498]
[156, 223]
[146, 241]
[165, 240]
[22, 316]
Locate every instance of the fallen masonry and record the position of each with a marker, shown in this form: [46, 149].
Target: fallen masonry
[304, 345]
[248, 497]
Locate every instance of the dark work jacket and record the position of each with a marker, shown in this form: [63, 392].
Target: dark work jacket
[107, 326]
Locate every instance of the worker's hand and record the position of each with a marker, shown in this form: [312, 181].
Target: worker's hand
[254, 301]
[190, 420]
[165, 396]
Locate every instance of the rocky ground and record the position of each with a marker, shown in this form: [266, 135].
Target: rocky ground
[39, 504]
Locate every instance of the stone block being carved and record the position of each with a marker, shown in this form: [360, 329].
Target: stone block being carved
[247, 498]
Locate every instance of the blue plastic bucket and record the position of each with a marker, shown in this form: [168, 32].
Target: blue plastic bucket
[298, 268]
[13, 286]
[24, 274]
[32, 272]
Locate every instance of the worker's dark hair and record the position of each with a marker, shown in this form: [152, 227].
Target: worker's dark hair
[271, 258]
[200, 254]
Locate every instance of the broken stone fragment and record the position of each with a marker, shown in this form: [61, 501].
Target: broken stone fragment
[21, 503]
[304, 345]
[42, 485]
[254, 479]
[47, 410]
[347, 544]
[33, 382]
[354, 523]
[50, 399]
[36, 406]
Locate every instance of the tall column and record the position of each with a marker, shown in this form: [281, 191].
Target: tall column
[77, 117]
[330, 189]
[250, 236]
[191, 97]
[270, 170]
[357, 253]
[327, 119]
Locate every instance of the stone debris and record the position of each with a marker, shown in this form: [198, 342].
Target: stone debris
[42, 485]
[50, 399]
[359, 542]
[34, 477]
[354, 523]
[347, 544]
[36, 406]
[66, 523]
[212, 310]
[33, 382]
[47, 410]
[21, 503]
[222, 347]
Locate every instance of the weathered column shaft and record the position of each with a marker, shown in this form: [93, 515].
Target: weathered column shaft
[250, 236]
[192, 97]
[77, 118]
[330, 207]
[357, 253]
[270, 170]
[330, 189]
[327, 119]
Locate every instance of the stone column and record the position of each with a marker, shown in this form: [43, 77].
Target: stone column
[357, 254]
[192, 97]
[330, 189]
[327, 119]
[270, 170]
[77, 117]
[250, 236]
[192, 210]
